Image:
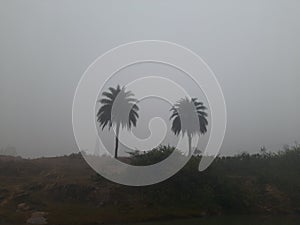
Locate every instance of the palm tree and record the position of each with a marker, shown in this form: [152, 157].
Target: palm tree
[189, 116]
[118, 109]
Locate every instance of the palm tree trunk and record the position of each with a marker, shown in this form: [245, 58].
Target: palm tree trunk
[117, 140]
[190, 144]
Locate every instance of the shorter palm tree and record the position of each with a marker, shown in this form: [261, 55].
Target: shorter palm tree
[118, 109]
[189, 116]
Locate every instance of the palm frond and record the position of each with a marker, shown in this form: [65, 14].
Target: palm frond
[118, 107]
[185, 116]
[108, 95]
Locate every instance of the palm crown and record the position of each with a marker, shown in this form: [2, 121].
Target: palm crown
[118, 109]
[189, 117]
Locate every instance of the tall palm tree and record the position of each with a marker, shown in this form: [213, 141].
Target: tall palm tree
[118, 109]
[186, 113]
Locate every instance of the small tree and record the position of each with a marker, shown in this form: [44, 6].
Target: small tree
[118, 109]
[185, 115]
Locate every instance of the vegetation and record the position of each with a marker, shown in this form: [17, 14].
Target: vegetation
[189, 117]
[72, 193]
[265, 183]
[148, 158]
[118, 109]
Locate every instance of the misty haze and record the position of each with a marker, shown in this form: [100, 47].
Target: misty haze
[252, 48]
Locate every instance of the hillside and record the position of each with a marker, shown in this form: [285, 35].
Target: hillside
[64, 190]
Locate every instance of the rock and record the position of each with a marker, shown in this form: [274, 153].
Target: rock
[37, 218]
[100, 204]
[23, 207]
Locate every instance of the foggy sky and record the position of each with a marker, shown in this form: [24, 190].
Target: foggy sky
[253, 47]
